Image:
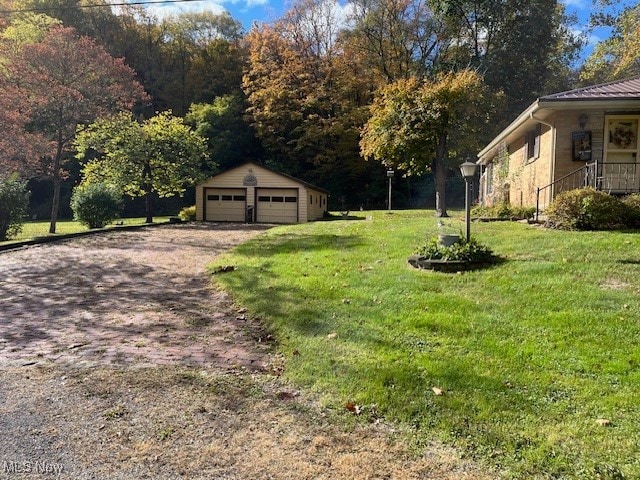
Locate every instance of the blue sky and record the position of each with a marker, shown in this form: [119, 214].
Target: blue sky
[248, 11]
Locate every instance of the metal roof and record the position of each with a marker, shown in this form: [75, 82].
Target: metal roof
[619, 89]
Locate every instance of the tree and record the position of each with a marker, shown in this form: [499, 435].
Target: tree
[524, 48]
[65, 82]
[412, 122]
[230, 140]
[14, 200]
[618, 56]
[307, 101]
[158, 156]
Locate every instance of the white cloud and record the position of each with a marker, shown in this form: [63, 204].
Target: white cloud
[257, 3]
[168, 9]
[579, 4]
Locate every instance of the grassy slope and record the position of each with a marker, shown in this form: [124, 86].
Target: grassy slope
[530, 353]
[41, 228]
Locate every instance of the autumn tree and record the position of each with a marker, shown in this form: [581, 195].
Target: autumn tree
[419, 125]
[67, 81]
[307, 99]
[160, 156]
[618, 56]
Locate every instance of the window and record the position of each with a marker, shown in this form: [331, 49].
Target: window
[264, 198]
[311, 199]
[277, 199]
[532, 143]
[239, 198]
[290, 199]
[213, 197]
[226, 198]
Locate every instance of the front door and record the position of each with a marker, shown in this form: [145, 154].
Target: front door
[620, 173]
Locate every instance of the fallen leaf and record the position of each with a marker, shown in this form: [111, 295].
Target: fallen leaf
[437, 391]
[224, 269]
[333, 335]
[603, 422]
[353, 408]
[346, 300]
[284, 395]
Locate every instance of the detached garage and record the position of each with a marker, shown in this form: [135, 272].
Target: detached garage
[253, 193]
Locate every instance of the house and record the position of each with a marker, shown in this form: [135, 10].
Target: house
[582, 137]
[254, 193]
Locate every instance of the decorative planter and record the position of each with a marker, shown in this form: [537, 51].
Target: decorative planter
[418, 261]
[446, 240]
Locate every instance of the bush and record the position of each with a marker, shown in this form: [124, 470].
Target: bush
[632, 202]
[463, 250]
[14, 201]
[587, 209]
[188, 214]
[96, 204]
[503, 211]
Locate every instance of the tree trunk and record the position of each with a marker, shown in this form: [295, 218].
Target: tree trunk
[148, 206]
[55, 202]
[440, 176]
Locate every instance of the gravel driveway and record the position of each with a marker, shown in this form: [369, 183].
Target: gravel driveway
[119, 360]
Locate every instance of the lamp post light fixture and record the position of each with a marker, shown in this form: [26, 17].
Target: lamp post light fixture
[468, 170]
[390, 174]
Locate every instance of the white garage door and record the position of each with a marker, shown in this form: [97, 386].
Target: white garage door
[277, 205]
[225, 204]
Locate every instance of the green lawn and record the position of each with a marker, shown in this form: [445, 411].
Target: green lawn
[36, 229]
[533, 355]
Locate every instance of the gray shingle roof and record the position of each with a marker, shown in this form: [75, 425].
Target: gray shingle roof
[622, 89]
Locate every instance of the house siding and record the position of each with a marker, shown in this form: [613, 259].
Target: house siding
[526, 175]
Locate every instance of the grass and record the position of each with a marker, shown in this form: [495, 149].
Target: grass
[537, 357]
[35, 229]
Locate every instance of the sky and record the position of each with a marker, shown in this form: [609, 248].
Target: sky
[248, 11]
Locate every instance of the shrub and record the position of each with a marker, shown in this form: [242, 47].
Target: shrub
[14, 201]
[503, 211]
[96, 204]
[632, 202]
[188, 214]
[587, 209]
[463, 250]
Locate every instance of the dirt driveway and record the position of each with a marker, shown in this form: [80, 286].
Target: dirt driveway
[119, 360]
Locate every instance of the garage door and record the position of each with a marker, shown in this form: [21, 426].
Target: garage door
[225, 204]
[277, 205]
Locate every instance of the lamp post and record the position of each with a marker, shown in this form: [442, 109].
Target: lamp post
[468, 170]
[390, 174]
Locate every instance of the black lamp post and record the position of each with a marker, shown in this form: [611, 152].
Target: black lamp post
[468, 170]
[390, 174]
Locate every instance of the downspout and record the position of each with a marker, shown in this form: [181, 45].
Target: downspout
[552, 170]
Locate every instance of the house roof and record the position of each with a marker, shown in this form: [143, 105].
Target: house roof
[306, 184]
[621, 94]
[620, 89]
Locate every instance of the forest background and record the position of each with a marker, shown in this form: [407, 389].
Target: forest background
[297, 93]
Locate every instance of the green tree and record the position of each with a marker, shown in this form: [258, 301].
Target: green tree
[160, 156]
[413, 122]
[14, 200]
[525, 48]
[230, 140]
